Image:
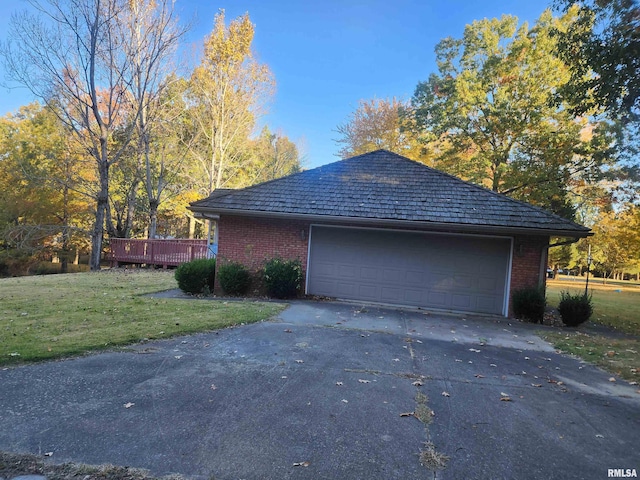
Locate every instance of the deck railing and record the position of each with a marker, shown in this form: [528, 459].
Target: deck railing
[163, 253]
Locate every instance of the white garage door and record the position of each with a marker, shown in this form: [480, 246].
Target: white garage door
[460, 273]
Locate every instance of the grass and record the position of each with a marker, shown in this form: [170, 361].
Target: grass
[12, 464]
[618, 356]
[47, 317]
[616, 305]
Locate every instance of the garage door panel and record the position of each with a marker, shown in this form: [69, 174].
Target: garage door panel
[485, 304]
[370, 273]
[441, 271]
[437, 299]
[461, 302]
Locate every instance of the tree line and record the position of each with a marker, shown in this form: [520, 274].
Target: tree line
[547, 114]
[122, 136]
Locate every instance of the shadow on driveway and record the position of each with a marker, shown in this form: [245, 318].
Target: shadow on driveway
[319, 392]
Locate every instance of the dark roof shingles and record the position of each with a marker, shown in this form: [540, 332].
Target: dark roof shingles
[386, 186]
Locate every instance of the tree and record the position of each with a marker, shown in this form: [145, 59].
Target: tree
[225, 97]
[602, 48]
[273, 156]
[155, 35]
[616, 241]
[71, 54]
[378, 124]
[490, 112]
[43, 170]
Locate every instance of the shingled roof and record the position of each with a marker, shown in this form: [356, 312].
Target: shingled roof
[386, 188]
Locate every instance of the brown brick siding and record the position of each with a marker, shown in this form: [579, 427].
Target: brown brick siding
[528, 255]
[251, 241]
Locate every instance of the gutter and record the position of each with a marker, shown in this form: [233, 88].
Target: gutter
[451, 227]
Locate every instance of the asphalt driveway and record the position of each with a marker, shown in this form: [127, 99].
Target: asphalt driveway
[323, 392]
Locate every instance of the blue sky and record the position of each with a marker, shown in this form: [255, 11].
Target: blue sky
[329, 54]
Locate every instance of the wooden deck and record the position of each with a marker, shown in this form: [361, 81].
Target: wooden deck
[164, 253]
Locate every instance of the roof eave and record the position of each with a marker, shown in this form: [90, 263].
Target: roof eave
[367, 221]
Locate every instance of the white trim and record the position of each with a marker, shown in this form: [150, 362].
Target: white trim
[505, 308]
[507, 283]
[306, 279]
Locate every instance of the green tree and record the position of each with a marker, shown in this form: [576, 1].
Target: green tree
[491, 114]
[375, 124]
[602, 48]
[273, 156]
[225, 96]
[616, 241]
[41, 171]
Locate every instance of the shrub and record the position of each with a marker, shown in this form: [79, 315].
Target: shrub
[196, 276]
[282, 278]
[16, 264]
[529, 304]
[234, 278]
[575, 309]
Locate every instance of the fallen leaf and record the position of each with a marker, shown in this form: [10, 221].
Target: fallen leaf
[339, 384]
[364, 381]
[301, 464]
[128, 405]
[407, 414]
[446, 394]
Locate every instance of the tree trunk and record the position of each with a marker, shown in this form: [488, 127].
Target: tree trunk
[153, 218]
[102, 204]
[192, 227]
[96, 234]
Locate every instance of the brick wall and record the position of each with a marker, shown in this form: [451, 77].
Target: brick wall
[529, 256]
[251, 241]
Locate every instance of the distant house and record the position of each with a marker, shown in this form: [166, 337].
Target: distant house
[382, 228]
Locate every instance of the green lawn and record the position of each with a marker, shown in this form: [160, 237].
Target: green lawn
[616, 305]
[45, 317]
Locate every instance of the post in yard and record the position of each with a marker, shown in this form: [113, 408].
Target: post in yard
[586, 287]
